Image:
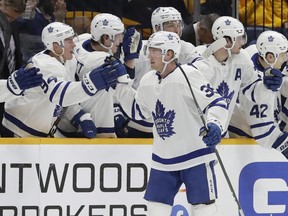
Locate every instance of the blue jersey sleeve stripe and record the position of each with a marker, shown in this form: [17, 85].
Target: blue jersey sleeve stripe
[249, 86]
[262, 124]
[136, 108]
[182, 158]
[54, 91]
[24, 127]
[265, 134]
[238, 131]
[139, 111]
[63, 92]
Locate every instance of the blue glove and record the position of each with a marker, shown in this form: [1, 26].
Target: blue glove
[24, 78]
[281, 144]
[132, 44]
[83, 122]
[272, 78]
[122, 76]
[120, 122]
[213, 135]
[99, 78]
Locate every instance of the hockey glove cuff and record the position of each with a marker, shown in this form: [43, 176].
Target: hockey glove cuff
[100, 78]
[83, 122]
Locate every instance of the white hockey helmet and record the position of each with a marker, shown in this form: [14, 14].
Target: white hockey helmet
[56, 32]
[226, 26]
[164, 14]
[165, 41]
[106, 23]
[271, 42]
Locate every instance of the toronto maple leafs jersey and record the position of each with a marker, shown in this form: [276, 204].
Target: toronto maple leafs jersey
[261, 120]
[34, 113]
[177, 144]
[142, 66]
[100, 106]
[236, 74]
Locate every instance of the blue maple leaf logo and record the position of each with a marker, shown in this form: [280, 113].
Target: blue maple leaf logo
[223, 90]
[227, 22]
[170, 36]
[163, 121]
[105, 22]
[50, 29]
[270, 38]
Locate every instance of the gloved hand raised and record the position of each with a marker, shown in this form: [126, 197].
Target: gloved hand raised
[132, 43]
[85, 124]
[212, 136]
[24, 78]
[122, 75]
[272, 78]
[99, 78]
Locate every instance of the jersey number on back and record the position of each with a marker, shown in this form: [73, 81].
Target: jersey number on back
[259, 110]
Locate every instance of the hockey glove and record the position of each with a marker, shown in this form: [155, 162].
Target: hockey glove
[213, 135]
[99, 78]
[272, 79]
[122, 74]
[120, 122]
[84, 123]
[24, 78]
[132, 44]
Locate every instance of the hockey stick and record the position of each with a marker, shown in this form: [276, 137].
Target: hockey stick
[229, 182]
[216, 151]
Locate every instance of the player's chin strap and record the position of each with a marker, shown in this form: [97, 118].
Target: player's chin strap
[166, 63]
[273, 63]
[108, 48]
[60, 55]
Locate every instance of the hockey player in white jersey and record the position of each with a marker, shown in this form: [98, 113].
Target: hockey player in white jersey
[261, 121]
[162, 19]
[180, 154]
[107, 32]
[233, 70]
[35, 113]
